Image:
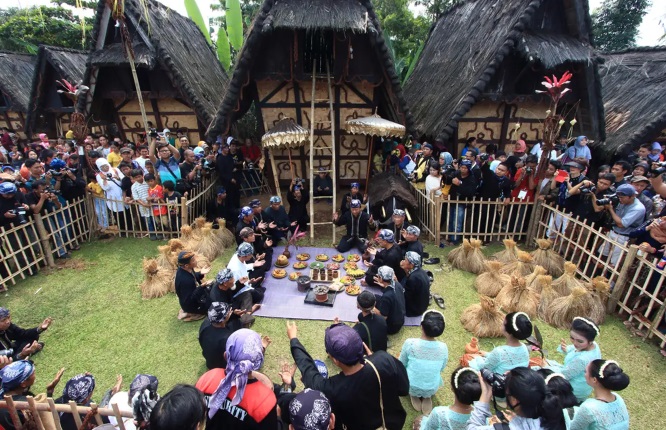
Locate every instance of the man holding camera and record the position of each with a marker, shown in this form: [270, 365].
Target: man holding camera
[463, 187]
[190, 170]
[165, 159]
[421, 170]
[628, 215]
[43, 200]
[14, 211]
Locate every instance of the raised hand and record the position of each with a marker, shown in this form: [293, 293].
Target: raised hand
[292, 330]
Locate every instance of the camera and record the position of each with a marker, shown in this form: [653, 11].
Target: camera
[249, 165]
[152, 132]
[484, 157]
[7, 352]
[529, 170]
[588, 190]
[52, 190]
[109, 176]
[20, 217]
[496, 381]
[609, 199]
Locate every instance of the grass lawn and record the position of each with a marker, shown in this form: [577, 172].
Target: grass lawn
[102, 325]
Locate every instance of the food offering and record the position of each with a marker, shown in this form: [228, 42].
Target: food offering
[321, 293]
[347, 280]
[333, 266]
[316, 265]
[282, 261]
[338, 258]
[336, 287]
[303, 256]
[356, 273]
[321, 257]
[350, 266]
[353, 290]
[293, 276]
[300, 265]
[324, 275]
[354, 258]
[279, 273]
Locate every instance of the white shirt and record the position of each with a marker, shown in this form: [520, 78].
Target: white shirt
[120, 398]
[142, 163]
[239, 269]
[112, 189]
[433, 183]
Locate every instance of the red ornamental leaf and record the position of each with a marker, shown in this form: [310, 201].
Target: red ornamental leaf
[548, 80]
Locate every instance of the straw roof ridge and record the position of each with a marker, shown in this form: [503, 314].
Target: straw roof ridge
[387, 185]
[357, 16]
[634, 95]
[553, 49]
[181, 50]
[114, 55]
[16, 74]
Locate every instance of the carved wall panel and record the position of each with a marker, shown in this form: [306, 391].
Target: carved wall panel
[170, 113]
[14, 121]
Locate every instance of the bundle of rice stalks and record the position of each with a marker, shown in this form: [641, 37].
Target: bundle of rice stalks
[202, 262]
[564, 309]
[483, 319]
[158, 281]
[458, 255]
[510, 252]
[599, 290]
[530, 279]
[475, 260]
[189, 238]
[199, 223]
[176, 245]
[166, 259]
[548, 294]
[225, 234]
[545, 256]
[516, 297]
[490, 282]
[523, 266]
[210, 245]
[567, 282]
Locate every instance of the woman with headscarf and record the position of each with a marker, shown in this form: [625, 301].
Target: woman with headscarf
[17, 378]
[110, 180]
[237, 396]
[579, 149]
[142, 395]
[79, 389]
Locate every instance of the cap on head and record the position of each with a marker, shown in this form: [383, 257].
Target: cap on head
[386, 235]
[185, 257]
[626, 190]
[355, 204]
[639, 178]
[7, 188]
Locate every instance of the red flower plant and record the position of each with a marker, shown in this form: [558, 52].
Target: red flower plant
[72, 92]
[555, 87]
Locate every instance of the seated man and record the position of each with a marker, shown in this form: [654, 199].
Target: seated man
[277, 214]
[417, 285]
[241, 269]
[214, 332]
[298, 205]
[262, 227]
[357, 223]
[354, 194]
[311, 410]
[245, 219]
[391, 304]
[23, 342]
[388, 254]
[193, 296]
[411, 240]
[371, 327]
[17, 378]
[263, 251]
[228, 290]
[323, 184]
[398, 222]
[354, 392]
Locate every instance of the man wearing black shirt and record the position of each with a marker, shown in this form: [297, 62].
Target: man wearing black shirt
[43, 202]
[463, 187]
[213, 334]
[397, 223]
[11, 202]
[189, 167]
[371, 327]
[354, 393]
[620, 169]
[391, 304]
[224, 166]
[389, 255]
[570, 189]
[357, 223]
[220, 207]
[72, 184]
[417, 285]
[126, 182]
[192, 295]
[496, 185]
[411, 240]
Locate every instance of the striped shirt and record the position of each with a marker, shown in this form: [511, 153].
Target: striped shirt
[140, 192]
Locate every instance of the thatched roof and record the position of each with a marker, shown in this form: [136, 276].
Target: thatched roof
[178, 46]
[388, 185]
[113, 54]
[16, 72]
[66, 63]
[468, 44]
[357, 16]
[634, 94]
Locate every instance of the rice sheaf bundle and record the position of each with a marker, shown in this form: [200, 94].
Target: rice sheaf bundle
[158, 281]
[490, 282]
[189, 238]
[483, 319]
[516, 297]
[165, 258]
[547, 295]
[530, 279]
[202, 261]
[599, 290]
[523, 266]
[564, 309]
[458, 255]
[210, 245]
[199, 223]
[475, 261]
[226, 236]
[545, 256]
[510, 252]
[567, 282]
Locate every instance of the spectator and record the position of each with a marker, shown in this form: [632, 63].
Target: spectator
[421, 170]
[470, 145]
[182, 408]
[463, 187]
[354, 194]
[276, 213]
[236, 397]
[377, 162]
[109, 179]
[14, 211]
[311, 410]
[425, 358]
[473, 166]
[500, 157]
[516, 159]
[496, 186]
[628, 216]
[433, 182]
[594, 214]
[416, 284]
[411, 240]
[620, 169]
[547, 189]
[357, 223]
[172, 199]
[192, 294]
[579, 150]
[323, 184]
[126, 157]
[225, 169]
[114, 157]
[391, 304]
[407, 165]
[72, 184]
[190, 171]
[167, 164]
[371, 326]
[640, 169]
[140, 196]
[358, 386]
[214, 333]
[641, 154]
[237, 172]
[220, 207]
[651, 239]
[298, 205]
[388, 254]
[144, 155]
[44, 201]
[23, 342]
[105, 148]
[569, 196]
[640, 184]
[142, 385]
[655, 153]
[156, 196]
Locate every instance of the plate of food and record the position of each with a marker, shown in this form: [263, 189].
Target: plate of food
[338, 258]
[293, 276]
[279, 273]
[336, 287]
[282, 261]
[303, 257]
[347, 280]
[300, 265]
[316, 265]
[356, 273]
[350, 266]
[321, 257]
[355, 258]
[333, 266]
[353, 290]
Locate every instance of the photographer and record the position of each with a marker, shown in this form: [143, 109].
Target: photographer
[14, 211]
[165, 159]
[596, 214]
[570, 197]
[190, 171]
[43, 200]
[422, 164]
[72, 185]
[524, 187]
[463, 187]
[628, 215]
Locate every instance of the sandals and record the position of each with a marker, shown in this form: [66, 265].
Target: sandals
[439, 300]
[433, 260]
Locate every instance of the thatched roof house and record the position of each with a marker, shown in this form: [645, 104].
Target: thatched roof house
[483, 61]
[16, 72]
[634, 94]
[49, 111]
[181, 80]
[274, 71]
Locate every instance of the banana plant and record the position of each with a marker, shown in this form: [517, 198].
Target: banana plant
[234, 24]
[223, 49]
[195, 15]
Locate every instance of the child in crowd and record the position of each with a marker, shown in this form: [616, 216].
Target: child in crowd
[466, 389]
[500, 157]
[433, 183]
[517, 327]
[98, 198]
[579, 355]
[140, 194]
[607, 409]
[425, 358]
[172, 198]
[156, 195]
[377, 161]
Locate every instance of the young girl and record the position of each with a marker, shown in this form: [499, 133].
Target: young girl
[424, 359]
[583, 351]
[517, 327]
[98, 198]
[607, 409]
[466, 390]
[433, 182]
[558, 385]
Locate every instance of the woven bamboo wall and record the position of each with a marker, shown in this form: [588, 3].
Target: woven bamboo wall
[14, 121]
[170, 114]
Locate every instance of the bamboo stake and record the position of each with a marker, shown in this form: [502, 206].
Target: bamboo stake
[75, 413]
[54, 413]
[139, 96]
[621, 282]
[44, 238]
[276, 176]
[35, 414]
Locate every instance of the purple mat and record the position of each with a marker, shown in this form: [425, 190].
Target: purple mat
[283, 300]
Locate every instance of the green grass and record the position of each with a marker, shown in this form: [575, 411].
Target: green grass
[102, 325]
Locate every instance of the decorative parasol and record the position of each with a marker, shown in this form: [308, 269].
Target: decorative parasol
[285, 134]
[375, 125]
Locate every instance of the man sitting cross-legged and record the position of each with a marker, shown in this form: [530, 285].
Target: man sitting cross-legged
[357, 223]
[229, 290]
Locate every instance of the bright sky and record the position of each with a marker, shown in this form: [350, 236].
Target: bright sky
[651, 29]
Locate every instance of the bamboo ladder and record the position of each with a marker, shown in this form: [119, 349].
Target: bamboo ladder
[332, 170]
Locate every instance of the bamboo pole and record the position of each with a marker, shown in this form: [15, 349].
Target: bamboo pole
[75, 413]
[35, 414]
[9, 403]
[139, 96]
[44, 238]
[276, 176]
[621, 283]
[54, 413]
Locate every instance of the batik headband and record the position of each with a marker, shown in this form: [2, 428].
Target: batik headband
[218, 312]
[412, 229]
[355, 203]
[223, 276]
[398, 212]
[245, 249]
[79, 388]
[276, 199]
[4, 312]
[413, 258]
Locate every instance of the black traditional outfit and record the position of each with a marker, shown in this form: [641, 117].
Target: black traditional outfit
[193, 298]
[357, 231]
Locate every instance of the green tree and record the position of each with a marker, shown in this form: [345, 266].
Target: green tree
[615, 24]
[435, 8]
[249, 9]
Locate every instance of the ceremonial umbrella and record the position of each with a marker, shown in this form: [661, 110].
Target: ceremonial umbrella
[284, 134]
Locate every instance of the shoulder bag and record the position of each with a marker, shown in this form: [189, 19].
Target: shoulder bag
[181, 186]
[381, 397]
